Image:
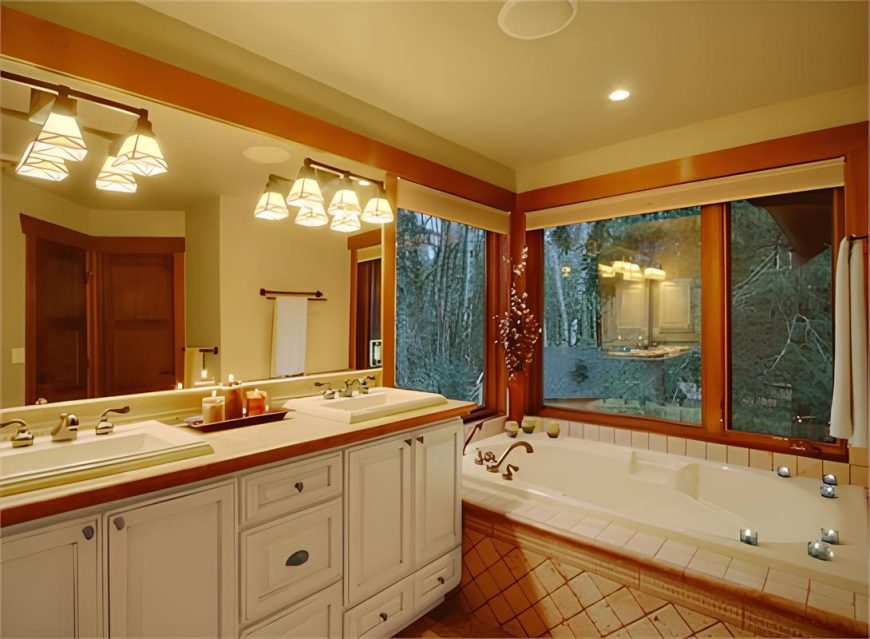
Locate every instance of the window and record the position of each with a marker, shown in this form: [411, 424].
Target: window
[622, 315]
[440, 306]
[781, 321]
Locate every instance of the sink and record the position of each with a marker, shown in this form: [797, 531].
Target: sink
[49, 463]
[379, 402]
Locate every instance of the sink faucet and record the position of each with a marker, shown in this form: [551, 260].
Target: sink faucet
[493, 466]
[105, 427]
[67, 428]
[23, 437]
[362, 382]
[329, 393]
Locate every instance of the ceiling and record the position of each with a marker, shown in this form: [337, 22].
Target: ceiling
[448, 68]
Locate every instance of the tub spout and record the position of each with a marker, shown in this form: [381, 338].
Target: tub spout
[493, 466]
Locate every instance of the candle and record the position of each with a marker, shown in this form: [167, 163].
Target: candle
[748, 536]
[213, 408]
[256, 402]
[234, 399]
[179, 386]
[203, 374]
[831, 536]
[820, 550]
[826, 490]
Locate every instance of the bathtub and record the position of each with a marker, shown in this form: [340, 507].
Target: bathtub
[577, 485]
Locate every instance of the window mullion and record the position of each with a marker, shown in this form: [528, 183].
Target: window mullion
[714, 310]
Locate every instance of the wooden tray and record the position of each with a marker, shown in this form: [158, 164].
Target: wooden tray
[269, 416]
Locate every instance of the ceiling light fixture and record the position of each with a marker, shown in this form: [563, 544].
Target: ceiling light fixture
[345, 221]
[60, 136]
[43, 167]
[271, 205]
[652, 273]
[619, 95]
[140, 153]
[313, 215]
[378, 210]
[345, 200]
[606, 271]
[112, 178]
[305, 190]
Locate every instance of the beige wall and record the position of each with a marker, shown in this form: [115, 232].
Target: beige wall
[202, 279]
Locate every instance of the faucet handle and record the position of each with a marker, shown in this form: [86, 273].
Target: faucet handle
[23, 437]
[67, 428]
[509, 472]
[479, 459]
[105, 426]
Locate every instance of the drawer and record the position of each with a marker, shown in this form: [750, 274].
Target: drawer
[317, 616]
[437, 579]
[288, 488]
[384, 614]
[289, 559]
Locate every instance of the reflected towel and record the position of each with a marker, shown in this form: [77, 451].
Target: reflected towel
[289, 335]
[858, 330]
[193, 366]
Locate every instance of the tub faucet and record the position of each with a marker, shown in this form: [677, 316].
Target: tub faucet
[470, 436]
[493, 466]
[508, 475]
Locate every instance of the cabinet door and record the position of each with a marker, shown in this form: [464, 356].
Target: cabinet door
[378, 530]
[171, 567]
[437, 489]
[49, 582]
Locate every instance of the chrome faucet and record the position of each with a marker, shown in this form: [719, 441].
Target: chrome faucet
[67, 428]
[105, 427]
[493, 466]
[23, 437]
[362, 382]
[329, 393]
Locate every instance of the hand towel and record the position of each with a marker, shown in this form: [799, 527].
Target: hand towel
[289, 335]
[841, 401]
[858, 326]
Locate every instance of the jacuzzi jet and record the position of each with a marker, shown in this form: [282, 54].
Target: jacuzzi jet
[820, 550]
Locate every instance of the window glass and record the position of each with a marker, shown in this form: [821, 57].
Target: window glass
[781, 322]
[622, 315]
[440, 306]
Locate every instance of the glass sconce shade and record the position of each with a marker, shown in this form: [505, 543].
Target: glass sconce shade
[140, 153]
[271, 206]
[60, 136]
[346, 222]
[345, 200]
[313, 215]
[633, 276]
[378, 211]
[305, 190]
[651, 273]
[43, 167]
[112, 178]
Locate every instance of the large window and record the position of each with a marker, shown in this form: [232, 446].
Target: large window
[622, 315]
[781, 323]
[440, 306]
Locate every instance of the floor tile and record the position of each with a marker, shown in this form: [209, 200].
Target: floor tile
[562, 631]
[643, 629]
[487, 551]
[549, 613]
[585, 589]
[532, 623]
[625, 606]
[487, 585]
[501, 609]
[474, 596]
[718, 630]
[516, 563]
[605, 585]
[516, 599]
[581, 625]
[473, 562]
[648, 603]
[567, 601]
[502, 575]
[669, 623]
[549, 576]
[532, 587]
[694, 619]
[603, 617]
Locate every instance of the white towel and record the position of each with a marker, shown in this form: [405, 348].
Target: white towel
[858, 326]
[841, 400]
[289, 335]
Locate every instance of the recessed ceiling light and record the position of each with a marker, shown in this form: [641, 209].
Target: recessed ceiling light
[266, 154]
[619, 95]
[533, 20]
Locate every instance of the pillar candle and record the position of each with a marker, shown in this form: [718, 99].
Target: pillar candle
[234, 399]
[256, 402]
[213, 409]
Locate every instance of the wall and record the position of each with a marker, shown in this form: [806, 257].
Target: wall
[280, 255]
[202, 279]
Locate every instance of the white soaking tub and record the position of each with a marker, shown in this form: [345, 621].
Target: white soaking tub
[580, 487]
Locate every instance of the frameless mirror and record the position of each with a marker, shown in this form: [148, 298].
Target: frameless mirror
[109, 292]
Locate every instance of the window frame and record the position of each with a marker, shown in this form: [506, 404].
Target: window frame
[850, 216]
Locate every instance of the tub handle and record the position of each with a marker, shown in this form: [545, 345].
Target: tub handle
[509, 475]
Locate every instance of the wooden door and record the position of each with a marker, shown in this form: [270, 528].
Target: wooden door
[368, 311]
[138, 322]
[56, 353]
[437, 486]
[49, 582]
[378, 528]
[172, 567]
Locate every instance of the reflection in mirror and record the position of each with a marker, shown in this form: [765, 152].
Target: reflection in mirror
[111, 292]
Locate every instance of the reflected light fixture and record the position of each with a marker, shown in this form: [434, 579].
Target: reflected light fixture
[271, 205]
[43, 167]
[378, 210]
[60, 136]
[305, 190]
[312, 215]
[606, 271]
[111, 178]
[619, 95]
[620, 266]
[140, 153]
[651, 273]
[345, 221]
[345, 200]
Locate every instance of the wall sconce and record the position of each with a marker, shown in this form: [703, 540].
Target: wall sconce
[271, 205]
[112, 178]
[140, 153]
[43, 167]
[60, 136]
[651, 273]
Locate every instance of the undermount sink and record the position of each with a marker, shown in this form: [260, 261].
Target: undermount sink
[49, 463]
[379, 402]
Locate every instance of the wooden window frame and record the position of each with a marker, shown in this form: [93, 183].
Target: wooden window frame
[850, 216]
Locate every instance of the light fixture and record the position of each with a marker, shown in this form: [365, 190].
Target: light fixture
[345, 221]
[305, 190]
[140, 153]
[111, 178]
[606, 271]
[651, 273]
[271, 205]
[345, 200]
[566, 271]
[633, 276]
[60, 136]
[619, 95]
[378, 210]
[313, 215]
[621, 266]
[43, 167]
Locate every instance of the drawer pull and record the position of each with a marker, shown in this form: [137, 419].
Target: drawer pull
[441, 580]
[88, 532]
[420, 439]
[119, 523]
[299, 486]
[409, 441]
[384, 616]
[297, 558]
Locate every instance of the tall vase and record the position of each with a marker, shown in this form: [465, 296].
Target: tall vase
[516, 384]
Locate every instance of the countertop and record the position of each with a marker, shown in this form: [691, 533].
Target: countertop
[234, 450]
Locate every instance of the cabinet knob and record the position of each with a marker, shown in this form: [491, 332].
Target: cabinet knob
[299, 486]
[440, 580]
[384, 616]
[297, 558]
[119, 523]
[88, 532]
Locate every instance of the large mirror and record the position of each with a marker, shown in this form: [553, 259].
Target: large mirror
[108, 292]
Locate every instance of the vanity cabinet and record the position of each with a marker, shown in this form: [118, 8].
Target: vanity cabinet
[171, 566]
[51, 582]
[437, 493]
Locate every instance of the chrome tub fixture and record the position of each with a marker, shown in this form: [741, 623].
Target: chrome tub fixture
[23, 437]
[783, 471]
[508, 475]
[67, 428]
[830, 536]
[829, 480]
[494, 465]
[748, 536]
[105, 427]
[828, 490]
[820, 550]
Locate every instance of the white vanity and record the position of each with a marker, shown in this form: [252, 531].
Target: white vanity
[351, 540]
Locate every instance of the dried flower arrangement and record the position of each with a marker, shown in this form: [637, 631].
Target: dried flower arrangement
[518, 329]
